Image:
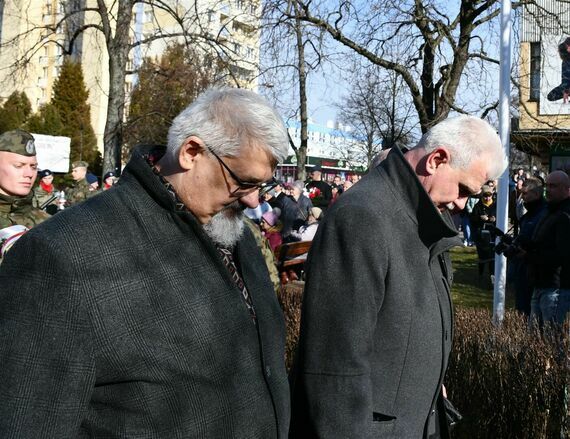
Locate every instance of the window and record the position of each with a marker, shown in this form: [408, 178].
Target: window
[534, 72]
[237, 48]
[45, 72]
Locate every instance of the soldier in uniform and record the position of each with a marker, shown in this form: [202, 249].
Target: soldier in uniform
[44, 192]
[18, 170]
[80, 190]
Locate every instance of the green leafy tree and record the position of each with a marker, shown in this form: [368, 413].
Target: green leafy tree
[15, 111]
[165, 87]
[46, 121]
[70, 100]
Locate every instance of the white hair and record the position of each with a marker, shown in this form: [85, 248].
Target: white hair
[467, 138]
[226, 119]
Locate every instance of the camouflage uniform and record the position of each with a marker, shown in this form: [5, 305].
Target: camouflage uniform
[41, 196]
[15, 210]
[20, 210]
[78, 192]
[266, 252]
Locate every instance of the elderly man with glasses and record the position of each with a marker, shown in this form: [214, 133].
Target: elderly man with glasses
[156, 317]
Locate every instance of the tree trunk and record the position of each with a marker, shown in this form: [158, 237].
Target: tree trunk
[301, 152]
[118, 48]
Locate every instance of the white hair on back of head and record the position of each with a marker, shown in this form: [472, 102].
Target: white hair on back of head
[467, 138]
[226, 119]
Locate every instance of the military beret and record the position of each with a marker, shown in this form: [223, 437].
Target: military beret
[108, 174]
[79, 164]
[18, 142]
[44, 173]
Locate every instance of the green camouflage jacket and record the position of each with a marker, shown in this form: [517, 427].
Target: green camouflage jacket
[268, 256]
[41, 196]
[20, 210]
[78, 193]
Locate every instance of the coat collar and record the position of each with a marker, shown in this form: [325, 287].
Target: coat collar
[405, 185]
[139, 169]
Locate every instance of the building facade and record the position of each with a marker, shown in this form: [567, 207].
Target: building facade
[333, 146]
[34, 35]
[543, 124]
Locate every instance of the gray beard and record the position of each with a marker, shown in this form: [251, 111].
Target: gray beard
[226, 227]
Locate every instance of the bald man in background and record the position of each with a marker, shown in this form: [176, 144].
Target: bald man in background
[548, 256]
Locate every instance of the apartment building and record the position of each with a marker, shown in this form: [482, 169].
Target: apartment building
[34, 33]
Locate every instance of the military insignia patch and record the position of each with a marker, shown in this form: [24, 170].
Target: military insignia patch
[30, 147]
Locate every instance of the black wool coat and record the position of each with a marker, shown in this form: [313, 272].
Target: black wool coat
[118, 319]
[376, 324]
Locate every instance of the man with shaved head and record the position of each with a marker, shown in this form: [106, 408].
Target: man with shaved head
[548, 256]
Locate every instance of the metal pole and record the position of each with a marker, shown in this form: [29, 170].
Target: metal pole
[503, 186]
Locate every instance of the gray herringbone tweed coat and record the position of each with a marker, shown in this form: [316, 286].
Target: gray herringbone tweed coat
[118, 319]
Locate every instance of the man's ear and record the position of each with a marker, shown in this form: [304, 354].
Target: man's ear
[436, 158]
[192, 148]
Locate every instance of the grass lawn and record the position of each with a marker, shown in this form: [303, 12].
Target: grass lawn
[469, 289]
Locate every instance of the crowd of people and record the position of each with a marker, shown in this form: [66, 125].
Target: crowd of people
[537, 245]
[149, 310]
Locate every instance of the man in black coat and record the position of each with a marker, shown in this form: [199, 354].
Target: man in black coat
[548, 255]
[147, 311]
[535, 205]
[323, 191]
[376, 325]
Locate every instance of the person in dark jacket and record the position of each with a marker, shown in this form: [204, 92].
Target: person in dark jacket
[320, 191]
[483, 219]
[535, 205]
[548, 255]
[149, 311]
[295, 211]
[376, 325]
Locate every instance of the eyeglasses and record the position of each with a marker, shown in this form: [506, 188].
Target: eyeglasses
[245, 187]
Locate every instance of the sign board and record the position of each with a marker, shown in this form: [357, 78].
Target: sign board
[53, 152]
